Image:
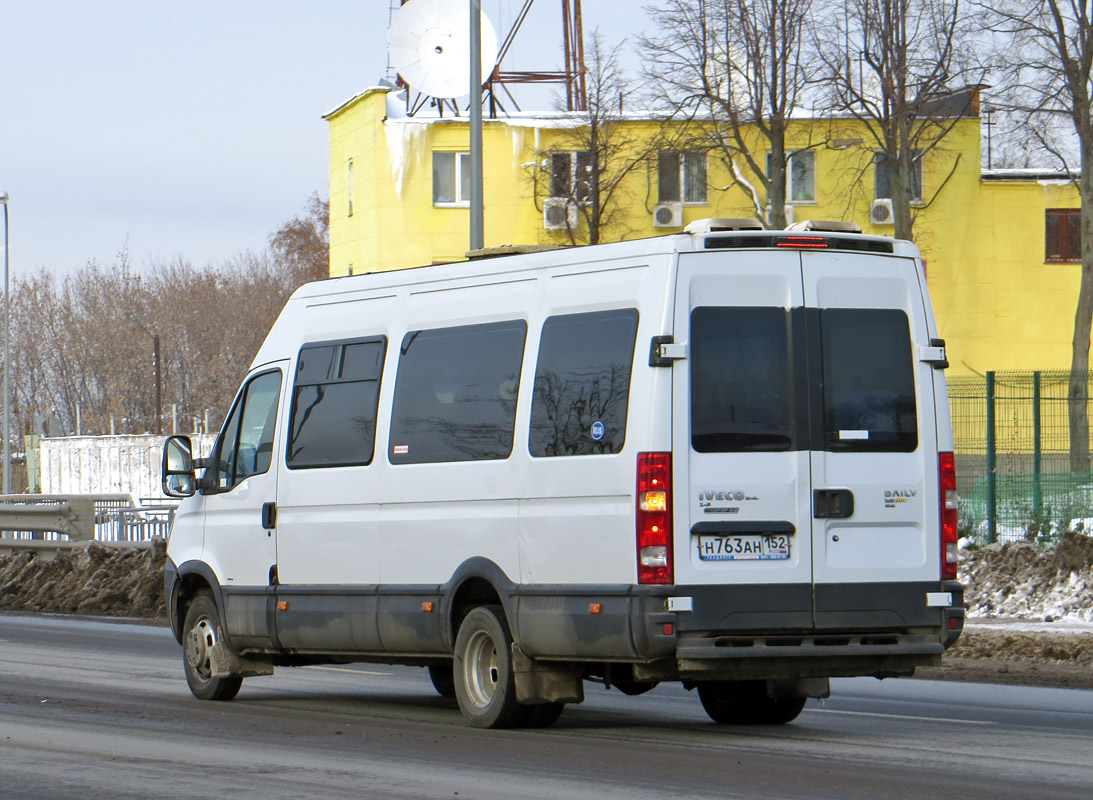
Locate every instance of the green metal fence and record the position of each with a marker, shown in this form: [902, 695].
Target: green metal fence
[1013, 458]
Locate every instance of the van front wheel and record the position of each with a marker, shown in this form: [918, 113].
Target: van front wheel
[484, 684]
[747, 703]
[202, 627]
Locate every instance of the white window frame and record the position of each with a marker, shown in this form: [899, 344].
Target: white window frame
[573, 179]
[349, 179]
[684, 156]
[810, 154]
[461, 163]
[879, 157]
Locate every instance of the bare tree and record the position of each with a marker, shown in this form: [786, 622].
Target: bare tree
[589, 163]
[1046, 59]
[741, 66]
[893, 66]
[301, 246]
[82, 344]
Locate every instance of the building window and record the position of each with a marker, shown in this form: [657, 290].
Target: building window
[451, 179]
[681, 176]
[349, 178]
[882, 177]
[800, 176]
[1063, 234]
[571, 175]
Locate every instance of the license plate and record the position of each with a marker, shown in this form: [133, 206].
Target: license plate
[744, 547]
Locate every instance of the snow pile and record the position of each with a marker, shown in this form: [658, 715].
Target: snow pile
[1018, 579]
[95, 580]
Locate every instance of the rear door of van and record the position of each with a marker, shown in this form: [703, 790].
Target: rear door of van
[805, 445]
[875, 515]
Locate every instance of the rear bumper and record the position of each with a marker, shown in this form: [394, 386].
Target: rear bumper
[757, 631]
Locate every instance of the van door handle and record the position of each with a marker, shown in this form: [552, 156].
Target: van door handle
[269, 516]
[832, 503]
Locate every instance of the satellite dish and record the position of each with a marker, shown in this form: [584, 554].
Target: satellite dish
[429, 43]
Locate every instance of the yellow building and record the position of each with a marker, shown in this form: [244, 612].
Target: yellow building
[1000, 246]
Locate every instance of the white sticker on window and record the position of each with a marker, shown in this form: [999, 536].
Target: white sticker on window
[401, 449]
[853, 434]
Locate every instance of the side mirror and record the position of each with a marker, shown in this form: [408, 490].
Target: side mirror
[178, 467]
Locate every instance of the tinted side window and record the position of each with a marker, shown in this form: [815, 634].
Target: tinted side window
[334, 400]
[455, 394]
[246, 443]
[582, 384]
[869, 385]
[741, 380]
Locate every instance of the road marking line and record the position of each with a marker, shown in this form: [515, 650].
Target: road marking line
[898, 716]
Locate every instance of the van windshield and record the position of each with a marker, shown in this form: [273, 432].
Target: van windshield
[741, 380]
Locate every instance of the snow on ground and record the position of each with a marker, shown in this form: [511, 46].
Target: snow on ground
[1020, 580]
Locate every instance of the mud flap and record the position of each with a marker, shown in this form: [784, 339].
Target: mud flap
[226, 664]
[545, 682]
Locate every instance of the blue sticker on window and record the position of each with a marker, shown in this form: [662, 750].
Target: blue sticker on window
[598, 430]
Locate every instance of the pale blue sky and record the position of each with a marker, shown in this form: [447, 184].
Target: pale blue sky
[192, 129]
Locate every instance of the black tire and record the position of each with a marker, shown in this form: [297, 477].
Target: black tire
[541, 715]
[443, 679]
[484, 684]
[201, 631]
[747, 703]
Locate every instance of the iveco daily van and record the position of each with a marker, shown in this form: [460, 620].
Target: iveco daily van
[722, 457]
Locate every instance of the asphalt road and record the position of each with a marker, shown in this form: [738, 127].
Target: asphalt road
[92, 709]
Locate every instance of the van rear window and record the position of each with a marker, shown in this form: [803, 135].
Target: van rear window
[455, 393]
[582, 383]
[869, 382]
[741, 380]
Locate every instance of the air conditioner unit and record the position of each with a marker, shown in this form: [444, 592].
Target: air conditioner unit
[668, 215]
[880, 213]
[559, 214]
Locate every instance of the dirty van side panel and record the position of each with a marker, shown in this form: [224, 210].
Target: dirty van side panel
[740, 422]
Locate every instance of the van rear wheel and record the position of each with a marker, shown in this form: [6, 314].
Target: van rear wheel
[747, 703]
[541, 715]
[202, 633]
[484, 684]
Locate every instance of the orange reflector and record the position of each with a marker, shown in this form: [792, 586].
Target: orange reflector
[668, 629]
[283, 605]
[427, 607]
[595, 608]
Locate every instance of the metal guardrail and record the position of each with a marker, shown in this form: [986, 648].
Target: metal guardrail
[53, 522]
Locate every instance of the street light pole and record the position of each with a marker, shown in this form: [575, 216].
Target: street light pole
[7, 353]
[156, 368]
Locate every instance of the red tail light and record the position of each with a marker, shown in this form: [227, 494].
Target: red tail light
[947, 473]
[654, 518]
